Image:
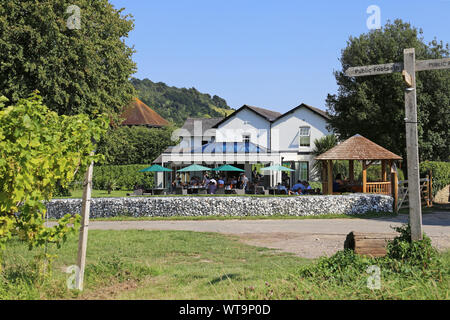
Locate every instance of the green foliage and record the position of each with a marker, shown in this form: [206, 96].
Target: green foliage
[121, 177]
[373, 106]
[83, 70]
[404, 258]
[38, 150]
[440, 172]
[414, 253]
[176, 105]
[135, 145]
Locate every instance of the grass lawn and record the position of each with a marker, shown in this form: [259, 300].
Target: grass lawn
[78, 194]
[136, 264]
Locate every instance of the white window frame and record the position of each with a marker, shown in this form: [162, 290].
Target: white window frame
[246, 138]
[304, 131]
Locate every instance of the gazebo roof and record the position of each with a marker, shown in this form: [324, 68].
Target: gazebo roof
[138, 113]
[358, 148]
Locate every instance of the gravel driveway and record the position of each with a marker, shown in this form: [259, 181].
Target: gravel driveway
[309, 238]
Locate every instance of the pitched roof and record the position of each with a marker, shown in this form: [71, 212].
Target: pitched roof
[138, 113]
[269, 115]
[321, 113]
[358, 148]
[206, 124]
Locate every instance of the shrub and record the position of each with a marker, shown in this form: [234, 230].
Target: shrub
[121, 177]
[404, 257]
[414, 253]
[440, 172]
[135, 145]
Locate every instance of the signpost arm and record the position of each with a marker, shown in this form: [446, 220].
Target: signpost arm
[412, 149]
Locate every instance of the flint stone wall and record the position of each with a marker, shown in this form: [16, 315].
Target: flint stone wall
[224, 206]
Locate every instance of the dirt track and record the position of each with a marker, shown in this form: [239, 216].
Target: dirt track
[309, 238]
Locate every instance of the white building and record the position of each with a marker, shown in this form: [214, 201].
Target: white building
[249, 136]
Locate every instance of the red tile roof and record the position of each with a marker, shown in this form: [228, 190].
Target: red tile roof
[138, 113]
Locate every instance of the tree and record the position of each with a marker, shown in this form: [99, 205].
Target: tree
[322, 145]
[39, 149]
[374, 106]
[84, 70]
[135, 145]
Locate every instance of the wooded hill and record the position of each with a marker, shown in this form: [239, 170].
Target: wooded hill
[178, 104]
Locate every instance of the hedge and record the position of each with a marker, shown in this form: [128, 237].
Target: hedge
[440, 172]
[124, 177]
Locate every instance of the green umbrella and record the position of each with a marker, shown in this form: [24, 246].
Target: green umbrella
[276, 168]
[194, 167]
[155, 168]
[227, 167]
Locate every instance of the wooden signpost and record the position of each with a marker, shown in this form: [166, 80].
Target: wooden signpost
[408, 68]
[82, 242]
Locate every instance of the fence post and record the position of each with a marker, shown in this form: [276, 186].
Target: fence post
[394, 187]
[430, 190]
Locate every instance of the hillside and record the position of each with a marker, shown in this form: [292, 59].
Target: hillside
[178, 104]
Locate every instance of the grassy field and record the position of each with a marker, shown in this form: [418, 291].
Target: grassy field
[78, 194]
[188, 265]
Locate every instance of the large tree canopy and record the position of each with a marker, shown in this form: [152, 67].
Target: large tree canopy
[374, 106]
[85, 70]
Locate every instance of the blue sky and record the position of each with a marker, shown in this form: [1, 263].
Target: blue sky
[272, 54]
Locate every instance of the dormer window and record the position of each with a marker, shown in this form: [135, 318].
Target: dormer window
[305, 136]
[246, 138]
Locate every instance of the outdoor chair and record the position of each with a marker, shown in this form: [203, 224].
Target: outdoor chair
[262, 190]
[180, 190]
[137, 192]
[220, 191]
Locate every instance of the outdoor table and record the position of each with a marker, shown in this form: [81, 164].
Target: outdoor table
[158, 191]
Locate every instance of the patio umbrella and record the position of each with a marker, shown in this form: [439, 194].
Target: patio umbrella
[194, 167]
[227, 167]
[276, 168]
[155, 168]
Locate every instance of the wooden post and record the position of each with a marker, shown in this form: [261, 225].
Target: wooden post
[82, 242]
[394, 188]
[351, 170]
[330, 176]
[431, 188]
[324, 177]
[383, 171]
[364, 176]
[412, 147]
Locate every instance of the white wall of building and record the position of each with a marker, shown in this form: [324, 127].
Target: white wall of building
[285, 131]
[245, 122]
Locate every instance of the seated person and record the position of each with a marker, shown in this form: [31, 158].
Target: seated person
[338, 184]
[221, 182]
[297, 188]
[308, 188]
[212, 187]
[281, 187]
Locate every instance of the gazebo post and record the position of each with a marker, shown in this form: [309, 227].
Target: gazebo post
[330, 176]
[323, 175]
[364, 176]
[383, 171]
[351, 170]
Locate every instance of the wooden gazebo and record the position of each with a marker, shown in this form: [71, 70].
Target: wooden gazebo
[360, 149]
